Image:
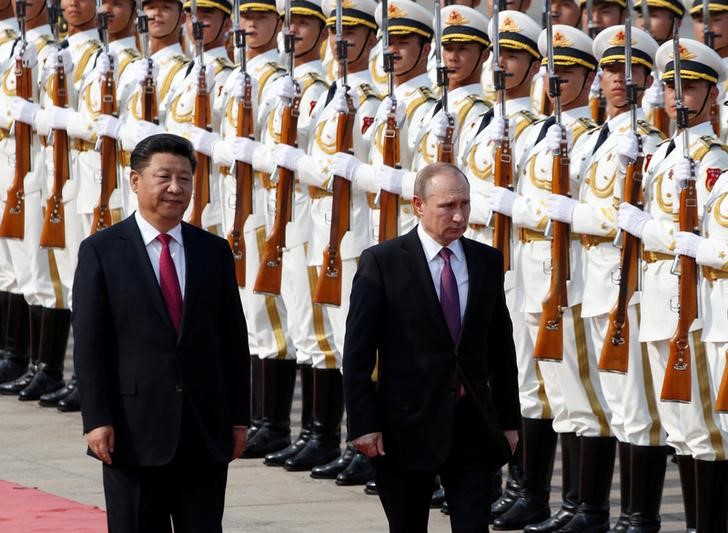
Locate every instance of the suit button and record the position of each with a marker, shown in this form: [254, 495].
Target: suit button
[178, 388]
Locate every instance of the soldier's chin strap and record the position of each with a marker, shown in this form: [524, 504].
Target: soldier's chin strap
[315, 43]
[273, 36]
[363, 47]
[583, 85]
[176, 25]
[525, 77]
[417, 60]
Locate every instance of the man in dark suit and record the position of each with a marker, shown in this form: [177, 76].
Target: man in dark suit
[160, 354]
[429, 306]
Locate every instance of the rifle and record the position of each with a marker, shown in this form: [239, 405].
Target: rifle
[268, 280]
[676, 385]
[615, 351]
[721, 402]
[328, 285]
[243, 171]
[109, 177]
[598, 104]
[389, 202]
[550, 339]
[709, 40]
[445, 150]
[503, 172]
[13, 219]
[150, 111]
[201, 180]
[53, 232]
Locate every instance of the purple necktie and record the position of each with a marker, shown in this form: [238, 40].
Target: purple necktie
[169, 283]
[449, 298]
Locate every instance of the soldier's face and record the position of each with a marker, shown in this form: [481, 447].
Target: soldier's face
[604, 15]
[165, 16]
[519, 66]
[357, 37]
[78, 12]
[697, 95]
[565, 12]
[308, 32]
[445, 209]
[613, 83]
[661, 20]
[120, 13]
[408, 51]
[261, 27]
[213, 21]
[514, 5]
[163, 187]
[463, 60]
[718, 25]
[575, 81]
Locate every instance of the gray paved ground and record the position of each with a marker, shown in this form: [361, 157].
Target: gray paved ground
[43, 448]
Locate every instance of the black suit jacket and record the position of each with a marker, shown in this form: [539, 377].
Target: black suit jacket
[133, 369]
[395, 314]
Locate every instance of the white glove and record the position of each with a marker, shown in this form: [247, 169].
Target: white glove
[384, 108]
[146, 129]
[390, 179]
[596, 85]
[553, 138]
[496, 130]
[139, 70]
[501, 200]
[285, 89]
[632, 219]
[686, 243]
[560, 208]
[108, 126]
[287, 156]
[627, 149]
[681, 173]
[237, 84]
[345, 165]
[22, 110]
[339, 101]
[242, 148]
[209, 75]
[441, 122]
[203, 140]
[28, 54]
[654, 95]
[56, 57]
[60, 117]
[103, 64]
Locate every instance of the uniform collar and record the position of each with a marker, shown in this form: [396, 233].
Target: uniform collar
[79, 39]
[404, 89]
[37, 33]
[363, 77]
[9, 24]
[167, 51]
[216, 53]
[514, 106]
[122, 44]
[572, 115]
[315, 66]
[466, 90]
[262, 59]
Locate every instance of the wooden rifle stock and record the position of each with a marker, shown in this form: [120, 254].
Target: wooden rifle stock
[243, 186]
[270, 271]
[53, 232]
[615, 351]
[150, 109]
[201, 180]
[503, 177]
[550, 339]
[661, 121]
[715, 117]
[328, 285]
[598, 108]
[13, 221]
[109, 176]
[677, 382]
[389, 202]
[446, 150]
[721, 402]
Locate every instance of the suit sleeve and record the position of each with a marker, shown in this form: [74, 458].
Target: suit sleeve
[504, 377]
[235, 336]
[363, 329]
[92, 339]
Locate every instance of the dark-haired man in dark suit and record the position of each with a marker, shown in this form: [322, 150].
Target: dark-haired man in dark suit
[161, 354]
[430, 304]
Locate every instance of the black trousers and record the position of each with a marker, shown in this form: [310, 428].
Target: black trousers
[466, 476]
[189, 491]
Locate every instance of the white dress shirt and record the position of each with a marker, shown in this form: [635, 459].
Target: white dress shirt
[154, 248]
[436, 264]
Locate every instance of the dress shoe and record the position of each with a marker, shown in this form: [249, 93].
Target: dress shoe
[445, 509]
[562, 517]
[280, 457]
[586, 522]
[316, 452]
[335, 467]
[622, 525]
[71, 403]
[525, 510]
[371, 488]
[43, 382]
[502, 504]
[359, 471]
[438, 499]
[51, 399]
[13, 387]
[266, 441]
[55, 327]
[12, 368]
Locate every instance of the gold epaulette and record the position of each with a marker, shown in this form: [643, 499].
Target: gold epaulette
[129, 55]
[585, 125]
[80, 69]
[705, 144]
[472, 101]
[524, 119]
[366, 92]
[422, 95]
[166, 85]
[311, 78]
[7, 36]
[42, 41]
[645, 128]
[222, 63]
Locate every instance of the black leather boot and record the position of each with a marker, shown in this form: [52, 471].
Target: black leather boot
[15, 329]
[514, 484]
[71, 403]
[4, 317]
[595, 483]
[625, 464]
[56, 325]
[51, 399]
[14, 386]
[256, 395]
[570, 463]
[648, 466]
[328, 410]
[686, 467]
[335, 467]
[279, 381]
[539, 449]
[371, 488]
[359, 471]
[712, 496]
[280, 457]
[438, 498]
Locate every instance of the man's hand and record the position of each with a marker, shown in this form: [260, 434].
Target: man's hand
[240, 440]
[101, 442]
[512, 438]
[370, 444]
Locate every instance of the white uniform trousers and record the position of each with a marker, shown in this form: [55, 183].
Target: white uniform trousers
[709, 441]
[572, 385]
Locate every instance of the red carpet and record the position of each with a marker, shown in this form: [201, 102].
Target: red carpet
[28, 510]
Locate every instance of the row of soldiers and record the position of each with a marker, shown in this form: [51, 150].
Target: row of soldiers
[311, 120]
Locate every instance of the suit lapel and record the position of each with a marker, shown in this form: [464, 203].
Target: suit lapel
[472, 262]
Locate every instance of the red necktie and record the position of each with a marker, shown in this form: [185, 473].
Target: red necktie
[169, 283]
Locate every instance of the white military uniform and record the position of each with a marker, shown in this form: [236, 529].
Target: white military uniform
[8, 32]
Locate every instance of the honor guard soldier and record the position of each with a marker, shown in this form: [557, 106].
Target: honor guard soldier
[357, 28]
[23, 285]
[63, 139]
[710, 251]
[690, 162]
[571, 383]
[615, 155]
[8, 32]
